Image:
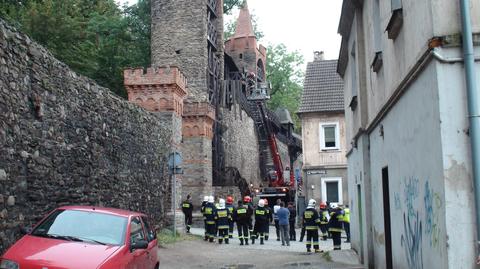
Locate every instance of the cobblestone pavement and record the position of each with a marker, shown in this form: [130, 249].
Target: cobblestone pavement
[201, 254]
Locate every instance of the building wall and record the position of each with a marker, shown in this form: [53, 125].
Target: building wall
[241, 144]
[65, 140]
[412, 150]
[312, 155]
[422, 140]
[457, 163]
[313, 177]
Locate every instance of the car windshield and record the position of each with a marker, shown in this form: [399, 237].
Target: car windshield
[76, 225]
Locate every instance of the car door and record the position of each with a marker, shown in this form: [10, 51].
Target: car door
[152, 249]
[139, 257]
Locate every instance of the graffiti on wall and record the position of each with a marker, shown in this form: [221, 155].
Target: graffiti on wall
[417, 224]
[432, 203]
[411, 240]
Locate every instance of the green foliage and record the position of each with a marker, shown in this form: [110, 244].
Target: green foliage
[96, 38]
[229, 5]
[165, 236]
[284, 72]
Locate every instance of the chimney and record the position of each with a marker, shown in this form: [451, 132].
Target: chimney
[318, 56]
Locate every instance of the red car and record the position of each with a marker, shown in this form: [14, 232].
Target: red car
[80, 237]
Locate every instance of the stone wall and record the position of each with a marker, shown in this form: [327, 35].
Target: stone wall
[65, 140]
[241, 144]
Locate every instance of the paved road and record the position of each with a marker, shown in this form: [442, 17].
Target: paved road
[201, 254]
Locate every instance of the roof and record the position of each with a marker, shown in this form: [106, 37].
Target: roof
[244, 23]
[284, 116]
[323, 88]
[104, 210]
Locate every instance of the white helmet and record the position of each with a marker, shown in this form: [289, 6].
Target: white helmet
[205, 198]
[211, 199]
[261, 203]
[312, 203]
[333, 205]
[221, 203]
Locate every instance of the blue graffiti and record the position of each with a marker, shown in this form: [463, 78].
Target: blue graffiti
[398, 203]
[411, 241]
[432, 203]
[411, 194]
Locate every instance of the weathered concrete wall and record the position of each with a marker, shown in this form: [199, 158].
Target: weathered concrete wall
[316, 176]
[241, 144]
[457, 163]
[65, 140]
[431, 195]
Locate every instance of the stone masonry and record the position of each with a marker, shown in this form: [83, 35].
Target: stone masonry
[65, 140]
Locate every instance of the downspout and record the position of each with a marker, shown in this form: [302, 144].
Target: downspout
[473, 104]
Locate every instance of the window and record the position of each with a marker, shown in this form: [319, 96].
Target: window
[332, 190]
[148, 229]
[329, 136]
[136, 230]
[396, 20]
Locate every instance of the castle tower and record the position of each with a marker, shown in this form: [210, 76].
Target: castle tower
[242, 46]
[189, 34]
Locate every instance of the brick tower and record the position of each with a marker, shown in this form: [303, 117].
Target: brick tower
[243, 47]
[189, 34]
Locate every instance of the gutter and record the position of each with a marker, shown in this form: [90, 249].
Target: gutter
[473, 104]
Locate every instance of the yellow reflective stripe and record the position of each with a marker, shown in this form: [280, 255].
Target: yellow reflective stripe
[186, 205]
[241, 211]
[259, 212]
[335, 230]
[311, 227]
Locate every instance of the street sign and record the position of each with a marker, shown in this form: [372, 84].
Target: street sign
[174, 160]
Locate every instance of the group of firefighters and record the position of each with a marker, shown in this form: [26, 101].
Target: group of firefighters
[219, 219]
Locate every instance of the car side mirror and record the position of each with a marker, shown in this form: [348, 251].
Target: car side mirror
[26, 230]
[139, 244]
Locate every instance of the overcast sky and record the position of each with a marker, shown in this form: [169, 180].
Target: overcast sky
[303, 25]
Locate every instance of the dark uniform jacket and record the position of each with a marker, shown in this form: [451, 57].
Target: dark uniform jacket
[293, 214]
[261, 215]
[310, 219]
[336, 221]
[222, 217]
[242, 214]
[269, 213]
[209, 213]
[203, 206]
[323, 216]
[187, 207]
[230, 208]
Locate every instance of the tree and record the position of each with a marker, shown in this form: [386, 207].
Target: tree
[286, 77]
[229, 5]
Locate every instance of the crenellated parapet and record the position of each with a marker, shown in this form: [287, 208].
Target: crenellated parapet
[198, 119]
[160, 89]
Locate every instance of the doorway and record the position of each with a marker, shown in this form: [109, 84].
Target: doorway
[386, 215]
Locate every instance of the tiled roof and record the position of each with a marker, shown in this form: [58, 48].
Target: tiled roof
[323, 88]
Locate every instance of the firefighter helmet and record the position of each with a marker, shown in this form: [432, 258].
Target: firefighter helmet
[247, 199]
[261, 203]
[312, 203]
[211, 199]
[323, 205]
[229, 200]
[221, 204]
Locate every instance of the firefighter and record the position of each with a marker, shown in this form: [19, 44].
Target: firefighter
[324, 220]
[335, 226]
[247, 200]
[187, 208]
[242, 215]
[261, 222]
[270, 219]
[209, 213]
[222, 219]
[346, 222]
[311, 222]
[275, 219]
[230, 208]
[202, 209]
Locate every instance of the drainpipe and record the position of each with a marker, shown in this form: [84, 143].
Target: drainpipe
[473, 104]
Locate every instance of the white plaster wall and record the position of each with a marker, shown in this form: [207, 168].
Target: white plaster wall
[399, 55]
[411, 148]
[447, 19]
[459, 195]
[312, 155]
